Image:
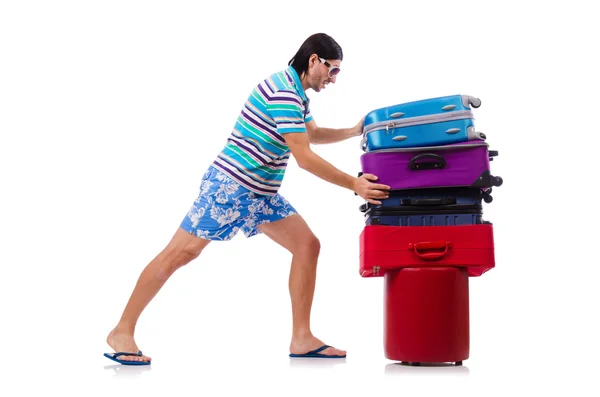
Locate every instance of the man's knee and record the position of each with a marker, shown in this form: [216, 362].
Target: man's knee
[310, 247]
[178, 255]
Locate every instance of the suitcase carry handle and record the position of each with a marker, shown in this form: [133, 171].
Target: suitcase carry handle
[416, 202]
[438, 162]
[429, 201]
[430, 245]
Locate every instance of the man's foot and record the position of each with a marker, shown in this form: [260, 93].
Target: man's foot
[121, 342]
[305, 345]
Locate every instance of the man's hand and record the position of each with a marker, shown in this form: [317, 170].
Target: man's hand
[358, 128]
[370, 191]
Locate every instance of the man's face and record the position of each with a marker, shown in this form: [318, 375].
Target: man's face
[322, 72]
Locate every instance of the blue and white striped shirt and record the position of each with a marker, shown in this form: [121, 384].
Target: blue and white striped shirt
[256, 153]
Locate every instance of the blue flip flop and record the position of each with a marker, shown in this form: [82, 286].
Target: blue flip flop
[113, 356]
[315, 353]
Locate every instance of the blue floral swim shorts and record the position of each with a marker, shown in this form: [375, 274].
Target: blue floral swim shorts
[223, 207]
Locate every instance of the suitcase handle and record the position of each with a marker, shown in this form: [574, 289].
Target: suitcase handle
[429, 201]
[417, 202]
[430, 245]
[439, 162]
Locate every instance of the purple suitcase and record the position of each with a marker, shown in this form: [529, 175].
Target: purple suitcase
[456, 165]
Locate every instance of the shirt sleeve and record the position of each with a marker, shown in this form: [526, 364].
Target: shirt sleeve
[286, 109]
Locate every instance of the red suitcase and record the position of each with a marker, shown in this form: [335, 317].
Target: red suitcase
[392, 247]
[427, 315]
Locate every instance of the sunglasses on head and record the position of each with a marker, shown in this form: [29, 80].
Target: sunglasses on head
[333, 70]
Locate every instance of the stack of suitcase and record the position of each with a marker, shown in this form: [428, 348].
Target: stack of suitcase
[429, 236]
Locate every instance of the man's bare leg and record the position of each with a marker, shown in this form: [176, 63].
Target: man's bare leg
[294, 234]
[182, 249]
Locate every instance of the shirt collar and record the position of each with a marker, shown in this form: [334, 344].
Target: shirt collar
[295, 80]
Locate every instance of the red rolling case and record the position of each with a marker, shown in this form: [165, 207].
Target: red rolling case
[427, 315]
[383, 248]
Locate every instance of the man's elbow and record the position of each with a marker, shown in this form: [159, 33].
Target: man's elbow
[303, 160]
[302, 163]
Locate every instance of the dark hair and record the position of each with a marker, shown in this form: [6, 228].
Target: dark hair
[319, 43]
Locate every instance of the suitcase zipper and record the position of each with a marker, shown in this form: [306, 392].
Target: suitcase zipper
[411, 121]
[430, 148]
[399, 211]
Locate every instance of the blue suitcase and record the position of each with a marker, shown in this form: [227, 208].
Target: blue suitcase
[427, 122]
[428, 207]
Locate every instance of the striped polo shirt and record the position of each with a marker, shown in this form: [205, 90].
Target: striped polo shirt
[256, 154]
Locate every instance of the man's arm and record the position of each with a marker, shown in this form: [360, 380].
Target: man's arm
[293, 127]
[319, 135]
[313, 163]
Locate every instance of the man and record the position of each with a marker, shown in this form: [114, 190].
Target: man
[239, 192]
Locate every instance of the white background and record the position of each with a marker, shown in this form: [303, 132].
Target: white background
[110, 111]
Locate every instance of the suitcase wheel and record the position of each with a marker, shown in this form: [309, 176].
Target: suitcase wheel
[488, 199]
[497, 181]
[471, 100]
[486, 192]
[363, 144]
